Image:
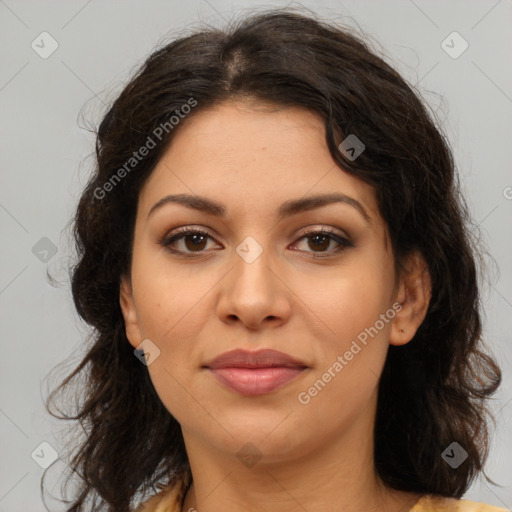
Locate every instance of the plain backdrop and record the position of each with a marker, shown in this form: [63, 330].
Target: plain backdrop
[46, 155]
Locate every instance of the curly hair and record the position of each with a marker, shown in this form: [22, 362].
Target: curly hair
[432, 391]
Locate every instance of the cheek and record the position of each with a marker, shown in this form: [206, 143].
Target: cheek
[350, 301]
[356, 315]
[167, 294]
[174, 322]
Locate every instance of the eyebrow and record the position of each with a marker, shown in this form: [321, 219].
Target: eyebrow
[288, 208]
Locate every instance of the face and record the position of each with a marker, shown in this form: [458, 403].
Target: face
[262, 276]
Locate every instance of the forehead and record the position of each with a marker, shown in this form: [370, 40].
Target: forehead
[252, 157]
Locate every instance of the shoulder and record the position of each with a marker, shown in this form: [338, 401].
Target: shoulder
[431, 503]
[169, 498]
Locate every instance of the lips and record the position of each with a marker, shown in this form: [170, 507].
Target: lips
[265, 358]
[255, 373]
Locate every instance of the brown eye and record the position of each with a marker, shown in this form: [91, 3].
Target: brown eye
[320, 240]
[194, 240]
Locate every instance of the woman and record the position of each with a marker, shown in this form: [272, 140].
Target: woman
[276, 261]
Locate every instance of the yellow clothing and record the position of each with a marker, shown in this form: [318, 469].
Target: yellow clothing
[171, 499]
[430, 503]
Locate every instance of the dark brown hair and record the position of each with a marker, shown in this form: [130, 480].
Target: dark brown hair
[433, 390]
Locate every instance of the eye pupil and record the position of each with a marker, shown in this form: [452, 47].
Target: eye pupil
[198, 239]
[320, 246]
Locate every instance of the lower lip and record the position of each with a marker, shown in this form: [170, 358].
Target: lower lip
[256, 381]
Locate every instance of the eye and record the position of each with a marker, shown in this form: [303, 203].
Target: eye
[194, 241]
[323, 238]
[195, 238]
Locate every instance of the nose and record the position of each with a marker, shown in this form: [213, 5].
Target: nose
[253, 292]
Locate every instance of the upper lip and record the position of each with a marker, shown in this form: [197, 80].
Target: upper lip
[264, 358]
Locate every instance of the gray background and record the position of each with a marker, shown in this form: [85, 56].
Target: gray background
[46, 157]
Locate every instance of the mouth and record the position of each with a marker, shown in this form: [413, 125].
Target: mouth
[255, 373]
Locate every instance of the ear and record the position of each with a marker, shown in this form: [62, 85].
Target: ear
[133, 331]
[414, 293]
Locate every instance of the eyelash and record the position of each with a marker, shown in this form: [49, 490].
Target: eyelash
[182, 233]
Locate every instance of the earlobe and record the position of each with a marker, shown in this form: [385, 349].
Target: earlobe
[129, 312]
[414, 293]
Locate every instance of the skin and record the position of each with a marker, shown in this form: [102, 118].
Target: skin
[252, 158]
